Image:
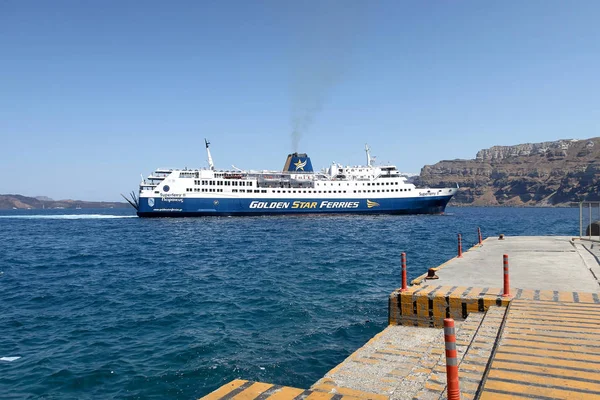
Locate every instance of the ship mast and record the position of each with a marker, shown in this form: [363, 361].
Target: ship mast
[210, 161]
[368, 151]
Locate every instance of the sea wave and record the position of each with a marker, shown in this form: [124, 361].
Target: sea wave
[67, 216]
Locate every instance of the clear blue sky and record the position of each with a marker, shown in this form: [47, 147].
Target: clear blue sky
[93, 93]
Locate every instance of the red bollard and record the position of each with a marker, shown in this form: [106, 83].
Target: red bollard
[479, 235]
[506, 280]
[404, 283]
[451, 360]
[459, 246]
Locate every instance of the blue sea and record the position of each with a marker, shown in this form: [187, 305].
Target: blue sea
[102, 304]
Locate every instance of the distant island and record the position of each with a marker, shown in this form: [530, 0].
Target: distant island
[556, 173]
[16, 201]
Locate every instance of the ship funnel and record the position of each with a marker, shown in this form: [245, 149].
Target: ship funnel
[297, 162]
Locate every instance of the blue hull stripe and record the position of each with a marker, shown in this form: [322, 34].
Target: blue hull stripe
[184, 207]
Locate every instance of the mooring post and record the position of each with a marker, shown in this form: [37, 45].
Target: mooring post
[404, 283]
[479, 235]
[451, 360]
[459, 246]
[506, 292]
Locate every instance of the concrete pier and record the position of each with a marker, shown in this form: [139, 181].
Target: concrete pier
[536, 262]
[541, 341]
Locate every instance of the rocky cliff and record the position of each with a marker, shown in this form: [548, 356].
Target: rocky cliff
[543, 174]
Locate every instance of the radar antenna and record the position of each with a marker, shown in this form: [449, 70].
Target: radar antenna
[210, 160]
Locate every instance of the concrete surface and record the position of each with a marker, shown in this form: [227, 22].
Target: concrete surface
[248, 390]
[400, 363]
[386, 361]
[535, 262]
[547, 351]
[590, 253]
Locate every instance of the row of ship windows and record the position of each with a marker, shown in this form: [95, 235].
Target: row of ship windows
[223, 183]
[249, 183]
[363, 184]
[211, 190]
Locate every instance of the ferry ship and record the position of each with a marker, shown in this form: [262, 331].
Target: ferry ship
[297, 189]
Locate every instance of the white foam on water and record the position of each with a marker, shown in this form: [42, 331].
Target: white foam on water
[69, 216]
[9, 359]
